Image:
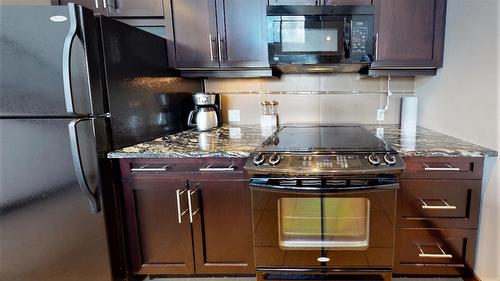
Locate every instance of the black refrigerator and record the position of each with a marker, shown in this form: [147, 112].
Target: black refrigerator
[73, 86]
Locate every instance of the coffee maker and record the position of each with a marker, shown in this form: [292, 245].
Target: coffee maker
[206, 115]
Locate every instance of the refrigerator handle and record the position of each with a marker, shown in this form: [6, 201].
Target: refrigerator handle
[66, 67]
[77, 163]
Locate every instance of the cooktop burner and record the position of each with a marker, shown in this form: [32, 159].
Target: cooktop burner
[305, 150]
[324, 138]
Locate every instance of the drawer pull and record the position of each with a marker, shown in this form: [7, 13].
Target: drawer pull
[443, 254]
[446, 206]
[145, 168]
[447, 168]
[209, 168]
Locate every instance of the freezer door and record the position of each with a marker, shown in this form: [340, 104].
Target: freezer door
[49, 62]
[48, 226]
[146, 100]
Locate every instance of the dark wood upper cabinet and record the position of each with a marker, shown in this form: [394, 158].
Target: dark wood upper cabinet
[134, 8]
[348, 2]
[95, 5]
[320, 2]
[222, 228]
[242, 25]
[120, 8]
[195, 33]
[218, 33]
[294, 2]
[409, 33]
[158, 243]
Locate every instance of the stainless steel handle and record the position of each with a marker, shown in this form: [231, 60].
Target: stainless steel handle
[441, 207]
[145, 168]
[96, 4]
[209, 168]
[190, 206]
[105, 4]
[211, 47]
[178, 194]
[66, 67]
[78, 166]
[219, 48]
[443, 254]
[447, 168]
[376, 46]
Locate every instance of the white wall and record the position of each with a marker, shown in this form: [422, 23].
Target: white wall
[463, 100]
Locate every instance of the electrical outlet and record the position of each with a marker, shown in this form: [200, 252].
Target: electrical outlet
[380, 114]
[233, 115]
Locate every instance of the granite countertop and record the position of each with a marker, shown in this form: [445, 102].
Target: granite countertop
[240, 141]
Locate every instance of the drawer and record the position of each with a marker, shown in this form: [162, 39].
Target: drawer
[434, 251]
[439, 203]
[182, 168]
[443, 167]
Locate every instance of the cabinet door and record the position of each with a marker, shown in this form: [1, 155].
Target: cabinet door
[242, 33]
[95, 5]
[195, 33]
[158, 242]
[348, 2]
[294, 2]
[222, 227]
[409, 33]
[134, 8]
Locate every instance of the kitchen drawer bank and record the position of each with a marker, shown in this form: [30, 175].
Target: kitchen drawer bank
[437, 215]
[188, 216]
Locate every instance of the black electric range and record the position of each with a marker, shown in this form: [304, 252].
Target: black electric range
[324, 150]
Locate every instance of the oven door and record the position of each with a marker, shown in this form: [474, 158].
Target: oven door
[308, 223]
[308, 39]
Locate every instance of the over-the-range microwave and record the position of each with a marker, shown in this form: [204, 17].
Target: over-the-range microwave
[304, 39]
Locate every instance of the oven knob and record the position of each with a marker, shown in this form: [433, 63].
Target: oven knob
[390, 159]
[259, 159]
[374, 159]
[274, 159]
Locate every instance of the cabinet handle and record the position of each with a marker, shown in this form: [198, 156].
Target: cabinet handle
[211, 47]
[146, 169]
[96, 4]
[443, 254]
[178, 194]
[190, 206]
[438, 207]
[447, 168]
[219, 46]
[209, 168]
[376, 46]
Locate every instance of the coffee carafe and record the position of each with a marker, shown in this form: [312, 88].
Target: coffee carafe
[204, 116]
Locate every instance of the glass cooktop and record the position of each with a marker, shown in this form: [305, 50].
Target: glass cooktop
[324, 138]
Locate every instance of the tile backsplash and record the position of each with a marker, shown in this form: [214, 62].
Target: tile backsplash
[314, 98]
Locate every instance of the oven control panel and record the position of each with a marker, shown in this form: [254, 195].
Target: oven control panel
[324, 163]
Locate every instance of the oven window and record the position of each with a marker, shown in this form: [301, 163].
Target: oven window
[324, 223]
[309, 36]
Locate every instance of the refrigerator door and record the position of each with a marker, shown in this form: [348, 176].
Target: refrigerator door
[49, 228]
[50, 63]
[145, 98]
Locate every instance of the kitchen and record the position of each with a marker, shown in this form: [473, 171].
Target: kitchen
[181, 206]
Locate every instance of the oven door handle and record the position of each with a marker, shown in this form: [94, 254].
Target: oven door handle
[261, 184]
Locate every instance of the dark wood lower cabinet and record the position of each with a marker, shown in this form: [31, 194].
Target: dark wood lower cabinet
[438, 213]
[158, 243]
[187, 221]
[222, 228]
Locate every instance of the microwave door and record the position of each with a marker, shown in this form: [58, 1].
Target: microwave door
[309, 40]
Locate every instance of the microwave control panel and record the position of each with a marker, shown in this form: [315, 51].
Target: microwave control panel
[359, 37]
